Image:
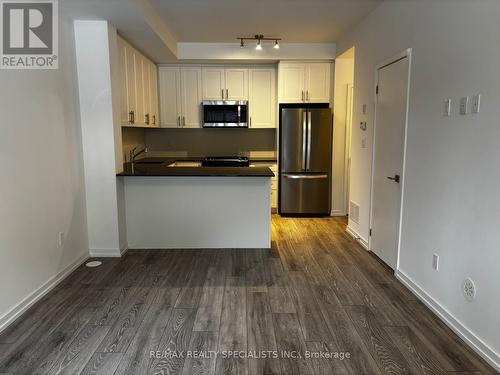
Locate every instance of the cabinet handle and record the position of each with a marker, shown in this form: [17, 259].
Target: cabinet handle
[222, 93]
[178, 121]
[302, 95]
[131, 117]
[146, 118]
[183, 121]
[154, 119]
[250, 121]
[307, 95]
[227, 94]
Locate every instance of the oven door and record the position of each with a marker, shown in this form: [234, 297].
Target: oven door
[225, 114]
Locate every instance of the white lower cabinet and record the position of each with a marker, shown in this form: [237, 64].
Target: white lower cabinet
[180, 97]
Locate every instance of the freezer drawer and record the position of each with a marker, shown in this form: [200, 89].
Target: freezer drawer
[304, 194]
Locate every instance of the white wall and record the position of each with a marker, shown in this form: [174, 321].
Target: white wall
[101, 135]
[41, 184]
[344, 77]
[451, 203]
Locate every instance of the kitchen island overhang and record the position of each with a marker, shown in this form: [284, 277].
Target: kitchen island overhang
[183, 208]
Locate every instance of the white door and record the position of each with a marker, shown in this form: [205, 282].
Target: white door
[170, 96]
[318, 82]
[153, 95]
[236, 80]
[130, 84]
[122, 66]
[291, 82]
[139, 88]
[213, 83]
[390, 124]
[191, 97]
[262, 101]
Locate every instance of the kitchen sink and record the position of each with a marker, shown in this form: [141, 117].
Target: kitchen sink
[185, 164]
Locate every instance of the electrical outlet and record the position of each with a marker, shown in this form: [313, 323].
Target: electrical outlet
[447, 107]
[435, 261]
[61, 239]
[476, 101]
[464, 105]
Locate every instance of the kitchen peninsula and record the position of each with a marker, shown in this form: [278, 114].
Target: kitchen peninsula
[169, 206]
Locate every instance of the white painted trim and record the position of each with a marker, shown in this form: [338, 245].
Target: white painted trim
[105, 253]
[363, 242]
[9, 317]
[478, 345]
[405, 53]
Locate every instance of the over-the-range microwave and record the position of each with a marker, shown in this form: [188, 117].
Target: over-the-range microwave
[225, 113]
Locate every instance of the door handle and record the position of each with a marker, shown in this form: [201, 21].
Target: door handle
[305, 176]
[309, 122]
[304, 139]
[396, 178]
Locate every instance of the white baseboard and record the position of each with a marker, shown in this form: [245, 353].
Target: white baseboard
[36, 295]
[357, 237]
[338, 213]
[479, 346]
[109, 253]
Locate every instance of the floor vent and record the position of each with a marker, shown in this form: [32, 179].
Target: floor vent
[94, 263]
[354, 212]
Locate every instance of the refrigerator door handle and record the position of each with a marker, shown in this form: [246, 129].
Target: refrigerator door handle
[304, 139]
[305, 176]
[309, 124]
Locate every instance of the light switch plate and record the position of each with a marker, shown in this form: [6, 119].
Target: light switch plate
[464, 105]
[476, 102]
[447, 107]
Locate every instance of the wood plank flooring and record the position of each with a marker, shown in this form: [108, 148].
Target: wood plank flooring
[315, 291]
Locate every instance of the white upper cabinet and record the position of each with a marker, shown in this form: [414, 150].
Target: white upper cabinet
[262, 97]
[180, 96]
[318, 82]
[138, 84]
[304, 82]
[291, 77]
[221, 83]
[213, 83]
[191, 97]
[236, 83]
[170, 96]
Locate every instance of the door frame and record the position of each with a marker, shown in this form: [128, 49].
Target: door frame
[401, 55]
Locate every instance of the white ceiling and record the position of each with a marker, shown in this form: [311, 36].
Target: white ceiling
[217, 21]
[296, 21]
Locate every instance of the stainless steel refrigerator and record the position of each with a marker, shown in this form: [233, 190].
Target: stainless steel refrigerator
[305, 160]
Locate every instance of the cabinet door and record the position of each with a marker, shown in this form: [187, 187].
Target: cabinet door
[318, 82]
[262, 100]
[122, 67]
[139, 88]
[213, 83]
[236, 84]
[130, 81]
[170, 97]
[191, 97]
[153, 95]
[291, 82]
[146, 93]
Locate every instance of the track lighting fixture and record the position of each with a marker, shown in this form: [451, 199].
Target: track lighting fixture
[259, 38]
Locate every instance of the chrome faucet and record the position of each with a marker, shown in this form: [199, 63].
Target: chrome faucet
[134, 155]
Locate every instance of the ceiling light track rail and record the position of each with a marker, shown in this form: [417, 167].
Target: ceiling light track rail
[259, 38]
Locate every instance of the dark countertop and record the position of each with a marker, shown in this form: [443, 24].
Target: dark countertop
[159, 167]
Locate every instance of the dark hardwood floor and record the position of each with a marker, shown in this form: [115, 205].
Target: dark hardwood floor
[315, 291]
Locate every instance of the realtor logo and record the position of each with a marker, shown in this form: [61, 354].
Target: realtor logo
[29, 34]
